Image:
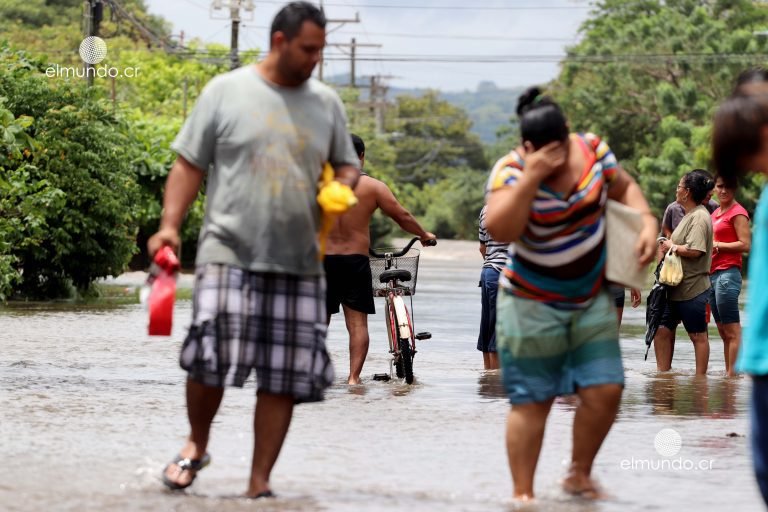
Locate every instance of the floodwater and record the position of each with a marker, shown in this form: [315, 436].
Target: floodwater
[92, 409]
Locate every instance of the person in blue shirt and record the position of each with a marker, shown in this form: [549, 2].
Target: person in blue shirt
[740, 145]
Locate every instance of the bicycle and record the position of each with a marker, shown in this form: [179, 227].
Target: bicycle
[389, 270]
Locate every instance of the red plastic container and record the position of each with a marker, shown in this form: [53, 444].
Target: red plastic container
[162, 278]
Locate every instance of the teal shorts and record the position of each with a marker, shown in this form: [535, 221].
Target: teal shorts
[547, 352]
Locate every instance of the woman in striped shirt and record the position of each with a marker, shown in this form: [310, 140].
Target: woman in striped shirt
[556, 325]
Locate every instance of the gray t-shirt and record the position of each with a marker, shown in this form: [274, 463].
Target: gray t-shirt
[263, 147]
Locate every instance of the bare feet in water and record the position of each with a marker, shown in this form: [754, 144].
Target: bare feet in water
[258, 495]
[579, 484]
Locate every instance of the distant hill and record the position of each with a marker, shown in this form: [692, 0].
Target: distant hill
[489, 107]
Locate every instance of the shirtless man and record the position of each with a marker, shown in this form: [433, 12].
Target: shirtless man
[347, 269]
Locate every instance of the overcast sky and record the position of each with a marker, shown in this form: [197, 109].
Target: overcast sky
[455, 33]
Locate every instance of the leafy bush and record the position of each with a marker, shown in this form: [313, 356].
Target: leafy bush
[68, 194]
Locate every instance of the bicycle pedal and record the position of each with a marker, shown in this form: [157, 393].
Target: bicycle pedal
[424, 336]
[381, 376]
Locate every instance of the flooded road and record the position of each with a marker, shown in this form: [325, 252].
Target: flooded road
[92, 409]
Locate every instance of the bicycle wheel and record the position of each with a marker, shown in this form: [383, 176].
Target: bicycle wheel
[399, 367]
[394, 346]
[406, 360]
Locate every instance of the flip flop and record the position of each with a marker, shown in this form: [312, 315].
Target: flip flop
[185, 465]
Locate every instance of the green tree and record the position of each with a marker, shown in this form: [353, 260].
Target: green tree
[68, 196]
[453, 204]
[433, 137]
[429, 158]
[647, 75]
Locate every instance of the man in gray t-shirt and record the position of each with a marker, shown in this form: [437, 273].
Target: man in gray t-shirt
[259, 135]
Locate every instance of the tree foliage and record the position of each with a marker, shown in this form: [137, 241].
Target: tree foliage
[68, 191]
[82, 170]
[432, 138]
[430, 159]
[647, 76]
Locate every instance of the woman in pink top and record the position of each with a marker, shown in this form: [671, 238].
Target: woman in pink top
[730, 223]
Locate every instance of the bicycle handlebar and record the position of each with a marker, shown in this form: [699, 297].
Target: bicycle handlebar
[402, 252]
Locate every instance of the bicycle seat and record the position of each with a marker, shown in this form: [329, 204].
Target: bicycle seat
[397, 275]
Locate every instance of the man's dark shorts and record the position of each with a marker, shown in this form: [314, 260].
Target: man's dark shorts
[349, 283]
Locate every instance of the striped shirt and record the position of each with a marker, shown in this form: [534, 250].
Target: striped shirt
[495, 252]
[560, 257]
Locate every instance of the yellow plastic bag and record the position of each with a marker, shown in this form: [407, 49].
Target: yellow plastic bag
[671, 273]
[334, 199]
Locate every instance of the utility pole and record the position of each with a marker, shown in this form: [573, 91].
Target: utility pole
[340, 22]
[234, 7]
[184, 100]
[378, 101]
[93, 13]
[234, 14]
[352, 52]
[353, 46]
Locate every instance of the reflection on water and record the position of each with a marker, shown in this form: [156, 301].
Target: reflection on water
[92, 409]
[686, 395]
[357, 389]
[489, 385]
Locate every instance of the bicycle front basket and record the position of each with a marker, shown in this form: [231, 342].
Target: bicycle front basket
[409, 262]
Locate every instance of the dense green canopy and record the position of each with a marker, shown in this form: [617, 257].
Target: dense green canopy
[647, 76]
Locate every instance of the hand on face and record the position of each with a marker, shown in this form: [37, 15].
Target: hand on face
[544, 161]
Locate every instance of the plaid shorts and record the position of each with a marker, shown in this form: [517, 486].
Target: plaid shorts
[273, 323]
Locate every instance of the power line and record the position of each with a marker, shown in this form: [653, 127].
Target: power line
[446, 36]
[219, 31]
[253, 46]
[468, 37]
[199, 6]
[353, 46]
[484, 59]
[541, 58]
[148, 35]
[339, 22]
[453, 7]
[379, 64]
